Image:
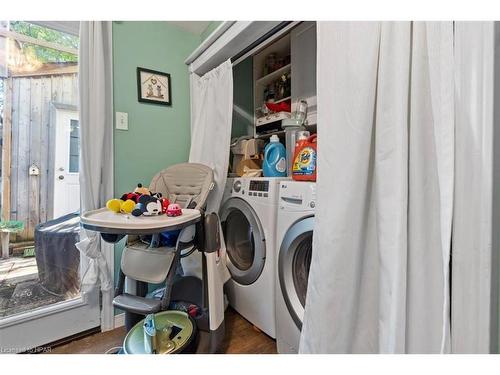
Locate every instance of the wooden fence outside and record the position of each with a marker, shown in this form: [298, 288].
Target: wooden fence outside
[33, 97]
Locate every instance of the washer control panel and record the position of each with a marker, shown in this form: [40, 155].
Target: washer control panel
[254, 188]
[258, 188]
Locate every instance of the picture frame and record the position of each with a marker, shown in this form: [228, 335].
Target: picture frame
[153, 87]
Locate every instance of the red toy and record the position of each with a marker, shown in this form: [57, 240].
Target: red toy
[133, 196]
[138, 191]
[280, 107]
[164, 205]
[174, 210]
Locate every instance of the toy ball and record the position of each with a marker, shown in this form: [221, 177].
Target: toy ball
[127, 206]
[114, 205]
[174, 210]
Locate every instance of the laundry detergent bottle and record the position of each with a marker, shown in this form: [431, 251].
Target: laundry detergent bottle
[304, 160]
[274, 164]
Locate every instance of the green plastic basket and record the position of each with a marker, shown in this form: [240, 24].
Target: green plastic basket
[11, 226]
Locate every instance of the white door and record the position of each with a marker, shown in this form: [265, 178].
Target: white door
[66, 162]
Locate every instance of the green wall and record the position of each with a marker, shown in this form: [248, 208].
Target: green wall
[157, 136]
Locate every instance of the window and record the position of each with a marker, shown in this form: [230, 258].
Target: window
[74, 147]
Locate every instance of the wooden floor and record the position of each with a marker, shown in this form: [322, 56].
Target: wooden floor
[241, 338]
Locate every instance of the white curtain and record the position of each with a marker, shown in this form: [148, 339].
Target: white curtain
[472, 319]
[211, 118]
[378, 281]
[96, 133]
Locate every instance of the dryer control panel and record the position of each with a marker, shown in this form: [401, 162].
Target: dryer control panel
[297, 196]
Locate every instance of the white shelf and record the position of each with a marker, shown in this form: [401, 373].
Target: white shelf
[283, 100]
[267, 135]
[273, 76]
[272, 118]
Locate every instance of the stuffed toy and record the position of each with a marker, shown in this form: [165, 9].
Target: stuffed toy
[120, 205]
[148, 206]
[136, 194]
[174, 210]
[142, 190]
[139, 202]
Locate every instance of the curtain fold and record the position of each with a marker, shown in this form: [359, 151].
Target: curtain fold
[378, 280]
[96, 148]
[473, 322]
[211, 119]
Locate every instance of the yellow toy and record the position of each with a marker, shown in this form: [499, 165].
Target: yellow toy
[127, 206]
[118, 205]
[114, 205]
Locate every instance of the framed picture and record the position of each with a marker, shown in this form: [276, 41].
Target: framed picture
[153, 87]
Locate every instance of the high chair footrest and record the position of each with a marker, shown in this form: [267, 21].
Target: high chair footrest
[136, 304]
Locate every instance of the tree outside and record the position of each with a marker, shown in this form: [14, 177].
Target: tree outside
[43, 54]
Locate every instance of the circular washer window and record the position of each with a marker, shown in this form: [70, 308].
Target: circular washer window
[239, 240]
[245, 241]
[300, 266]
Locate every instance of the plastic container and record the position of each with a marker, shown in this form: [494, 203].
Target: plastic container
[274, 164]
[291, 127]
[304, 161]
[57, 258]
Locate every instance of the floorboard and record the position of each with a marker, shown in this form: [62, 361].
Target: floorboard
[241, 338]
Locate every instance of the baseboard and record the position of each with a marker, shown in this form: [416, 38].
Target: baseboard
[119, 320]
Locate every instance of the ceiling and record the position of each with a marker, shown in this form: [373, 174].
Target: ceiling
[195, 27]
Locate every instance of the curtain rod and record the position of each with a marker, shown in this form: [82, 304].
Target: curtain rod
[240, 56]
[209, 41]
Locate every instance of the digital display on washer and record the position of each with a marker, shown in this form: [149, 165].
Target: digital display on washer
[256, 185]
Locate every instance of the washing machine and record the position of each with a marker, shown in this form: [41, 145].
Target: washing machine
[248, 216]
[295, 225]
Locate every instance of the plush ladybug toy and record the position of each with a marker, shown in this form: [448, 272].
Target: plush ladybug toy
[132, 196]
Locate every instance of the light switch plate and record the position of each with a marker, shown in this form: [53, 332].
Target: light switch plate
[121, 119]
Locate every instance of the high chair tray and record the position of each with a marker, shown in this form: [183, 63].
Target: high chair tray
[106, 221]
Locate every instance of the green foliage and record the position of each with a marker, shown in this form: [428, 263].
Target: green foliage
[43, 54]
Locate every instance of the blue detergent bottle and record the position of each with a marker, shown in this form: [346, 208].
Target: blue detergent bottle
[274, 164]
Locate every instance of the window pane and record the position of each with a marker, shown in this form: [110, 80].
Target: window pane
[74, 147]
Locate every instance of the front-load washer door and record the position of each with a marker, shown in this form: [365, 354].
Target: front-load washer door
[293, 266]
[245, 241]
